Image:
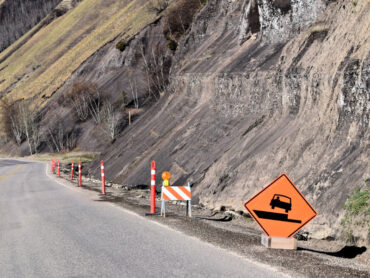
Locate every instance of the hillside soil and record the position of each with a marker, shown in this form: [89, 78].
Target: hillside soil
[238, 233]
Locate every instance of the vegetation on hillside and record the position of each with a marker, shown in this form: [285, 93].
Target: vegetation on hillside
[42, 65]
[357, 214]
[18, 16]
[178, 20]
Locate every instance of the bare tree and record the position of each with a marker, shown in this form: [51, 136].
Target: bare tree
[110, 120]
[95, 102]
[156, 67]
[134, 94]
[10, 121]
[81, 108]
[55, 137]
[20, 121]
[16, 127]
[58, 139]
[86, 100]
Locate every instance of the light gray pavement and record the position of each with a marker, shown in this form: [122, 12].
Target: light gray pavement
[48, 229]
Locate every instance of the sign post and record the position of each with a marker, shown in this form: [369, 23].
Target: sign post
[280, 210]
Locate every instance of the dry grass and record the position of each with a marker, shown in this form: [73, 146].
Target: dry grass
[66, 157]
[44, 63]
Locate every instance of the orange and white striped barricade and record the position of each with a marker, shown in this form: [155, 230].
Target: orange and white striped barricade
[176, 193]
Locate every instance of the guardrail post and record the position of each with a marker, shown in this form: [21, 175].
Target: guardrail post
[58, 168]
[79, 174]
[152, 187]
[72, 171]
[102, 178]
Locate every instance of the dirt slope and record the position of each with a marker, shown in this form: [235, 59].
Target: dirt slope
[297, 103]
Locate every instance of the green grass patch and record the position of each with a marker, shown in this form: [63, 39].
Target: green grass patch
[359, 202]
[357, 214]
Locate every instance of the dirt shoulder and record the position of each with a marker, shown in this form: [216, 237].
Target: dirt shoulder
[240, 235]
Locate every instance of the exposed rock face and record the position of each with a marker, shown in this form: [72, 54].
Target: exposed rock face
[292, 98]
[277, 20]
[19, 16]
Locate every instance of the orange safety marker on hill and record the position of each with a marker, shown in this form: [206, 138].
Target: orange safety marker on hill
[58, 168]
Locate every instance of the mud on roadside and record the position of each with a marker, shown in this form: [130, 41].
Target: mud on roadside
[239, 234]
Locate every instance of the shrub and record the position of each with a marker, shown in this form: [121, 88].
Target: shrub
[121, 45]
[85, 100]
[357, 214]
[172, 45]
[179, 18]
[58, 139]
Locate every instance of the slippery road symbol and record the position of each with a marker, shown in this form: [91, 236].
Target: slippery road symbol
[280, 201]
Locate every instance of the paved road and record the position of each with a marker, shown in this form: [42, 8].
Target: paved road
[50, 230]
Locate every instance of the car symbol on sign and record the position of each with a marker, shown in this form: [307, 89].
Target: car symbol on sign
[281, 201]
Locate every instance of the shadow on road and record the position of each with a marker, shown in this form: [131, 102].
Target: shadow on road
[347, 252]
[109, 197]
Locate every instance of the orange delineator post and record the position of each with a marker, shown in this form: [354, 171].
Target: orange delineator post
[53, 166]
[152, 187]
[79, 174]
[102, 178]
[72, 171]
[58, 168]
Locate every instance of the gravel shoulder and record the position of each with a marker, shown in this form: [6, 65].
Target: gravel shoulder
[239, 234]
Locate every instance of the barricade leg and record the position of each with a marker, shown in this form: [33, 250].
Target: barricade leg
[163, 208]
[189, 209]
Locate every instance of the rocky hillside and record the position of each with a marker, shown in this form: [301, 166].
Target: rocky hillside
[227, 95]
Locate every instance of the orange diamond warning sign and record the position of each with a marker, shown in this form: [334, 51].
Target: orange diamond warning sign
[280, 208]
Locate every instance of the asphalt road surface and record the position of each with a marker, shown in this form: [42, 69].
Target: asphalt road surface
[48, 229]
